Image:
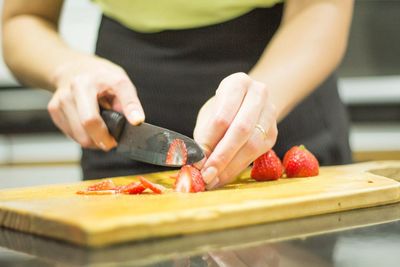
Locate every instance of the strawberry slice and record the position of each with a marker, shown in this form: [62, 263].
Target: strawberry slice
[197, 180]
[184, 181]
[133, 188]
[107, 187]
[189, 180]
[177, 153]
[156, 188]
[102, 185]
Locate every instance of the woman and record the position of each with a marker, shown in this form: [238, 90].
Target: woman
[269, 62]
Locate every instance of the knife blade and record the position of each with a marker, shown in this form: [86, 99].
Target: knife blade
[147, 142]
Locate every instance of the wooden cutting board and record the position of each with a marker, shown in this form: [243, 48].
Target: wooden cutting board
[56, 211]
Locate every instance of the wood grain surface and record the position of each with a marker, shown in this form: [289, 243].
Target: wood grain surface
[56, 211]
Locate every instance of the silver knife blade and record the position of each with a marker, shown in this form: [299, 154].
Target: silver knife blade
[150, 143]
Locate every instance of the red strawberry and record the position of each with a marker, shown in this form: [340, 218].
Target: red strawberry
[156, 188]
[102, 185]
[133, 188]
[189, 180]
[177, 153]
[267, 167]
[299, 162]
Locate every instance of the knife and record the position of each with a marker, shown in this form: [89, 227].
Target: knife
[147, 142]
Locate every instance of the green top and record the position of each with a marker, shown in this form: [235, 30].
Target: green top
[159, 15]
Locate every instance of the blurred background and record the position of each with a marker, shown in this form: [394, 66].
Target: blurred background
[33, 151]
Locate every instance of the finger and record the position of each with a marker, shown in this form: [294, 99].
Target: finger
[85, 96]
[238, 133]
[228, 99]
[107, 100]
[70, 112]
[125, 92]
[256, 146]
[199, 165]
[57, 116]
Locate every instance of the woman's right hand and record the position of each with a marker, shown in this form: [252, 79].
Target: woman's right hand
[82, 86]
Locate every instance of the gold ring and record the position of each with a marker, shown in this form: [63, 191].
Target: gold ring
[262, 130]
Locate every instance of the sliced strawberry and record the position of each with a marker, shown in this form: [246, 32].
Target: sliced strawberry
[156, 188]
[97, 192]
[102, 185]
[184, 182]
[189, 180]
[197, 180]
[177, 153]
[133, 188]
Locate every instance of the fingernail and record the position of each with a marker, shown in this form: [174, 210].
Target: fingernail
[212, 184]
[209, 174]
[135, 117]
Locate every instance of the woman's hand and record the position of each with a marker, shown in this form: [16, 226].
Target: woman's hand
[81, 86]
[235, 127]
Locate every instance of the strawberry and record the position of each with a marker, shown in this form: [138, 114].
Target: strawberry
[299, 162]
[107, 187]
[133, 188]
[102, 185]
[267, 167]
[156, 188]
[177, 153]
[189, 180]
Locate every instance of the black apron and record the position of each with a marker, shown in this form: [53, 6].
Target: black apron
[176, 72]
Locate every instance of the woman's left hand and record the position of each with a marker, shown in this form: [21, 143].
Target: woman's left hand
[234, 127]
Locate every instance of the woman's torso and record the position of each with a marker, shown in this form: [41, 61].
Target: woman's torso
[155, 16]
[177, 71]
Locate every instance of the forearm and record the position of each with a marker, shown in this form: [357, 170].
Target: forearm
[33, 50]
[306, 49]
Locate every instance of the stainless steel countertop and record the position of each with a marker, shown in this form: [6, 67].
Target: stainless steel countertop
[365, 237]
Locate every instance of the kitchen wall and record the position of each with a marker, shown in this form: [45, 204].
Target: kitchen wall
[33, 152]
[370, 79]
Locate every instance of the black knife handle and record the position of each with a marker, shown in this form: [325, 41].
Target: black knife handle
[115, 122]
